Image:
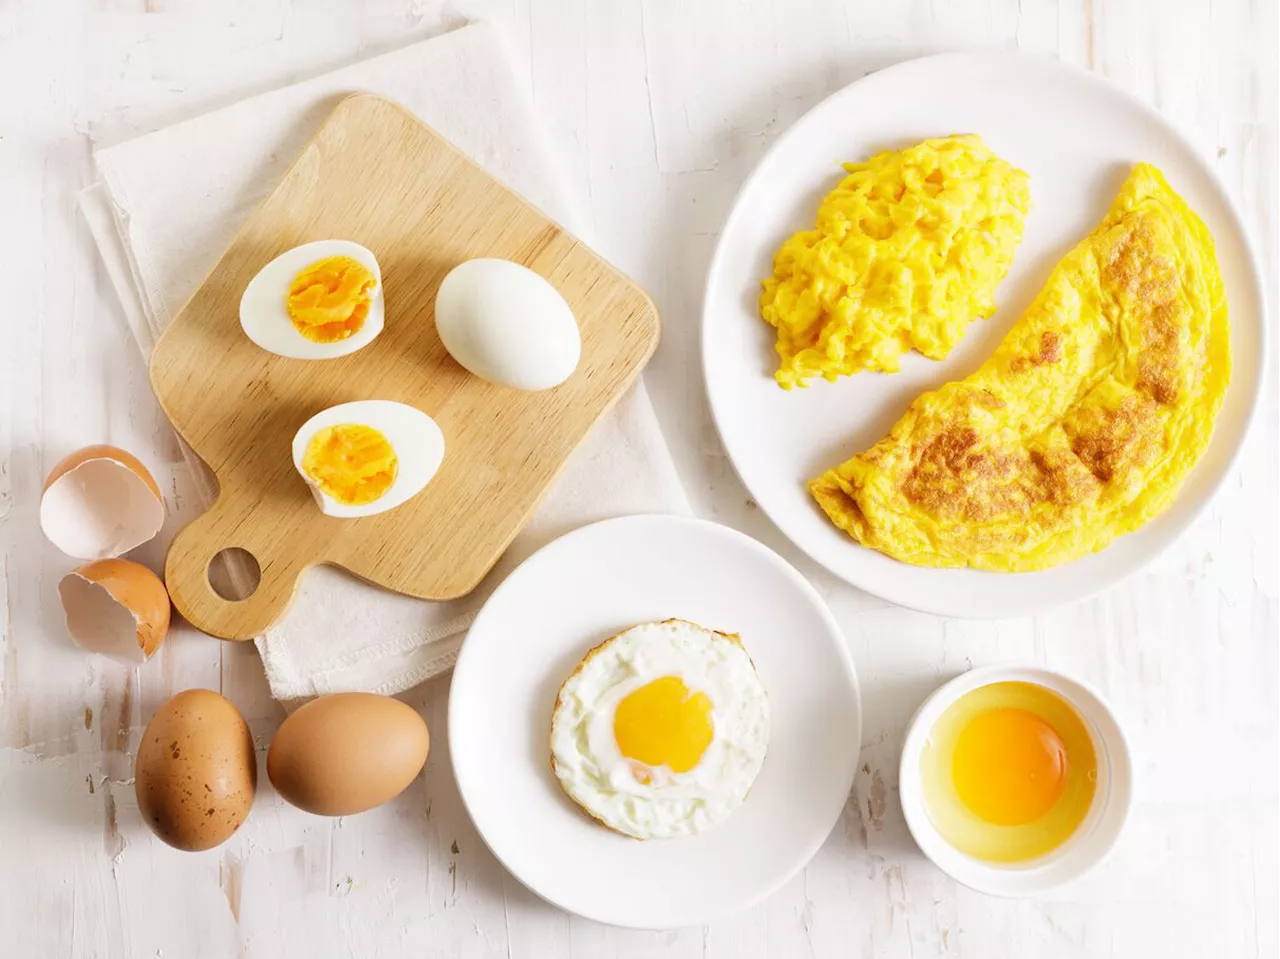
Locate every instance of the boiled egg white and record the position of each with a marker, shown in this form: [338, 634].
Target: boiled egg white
[366, 457]
[661, 730]
[506, 324]
[315, 302]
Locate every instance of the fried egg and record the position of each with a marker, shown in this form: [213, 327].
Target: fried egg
[317, 301]
[661, 730]
[1009, 772]
[1080, 427]
[366, 457]
[905, 253]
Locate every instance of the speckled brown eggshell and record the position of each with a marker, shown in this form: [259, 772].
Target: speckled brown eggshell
[196, 771]
[342, 754]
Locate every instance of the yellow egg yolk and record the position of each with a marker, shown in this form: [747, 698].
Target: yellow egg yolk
[329, 300]
[351, 463]
[1009, 766]
[664, 724]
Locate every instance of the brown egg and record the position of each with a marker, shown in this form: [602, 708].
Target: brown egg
[342, 754]
[196, 771]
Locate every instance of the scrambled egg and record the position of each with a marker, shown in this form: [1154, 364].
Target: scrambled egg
[1083, 423]
[907, 250]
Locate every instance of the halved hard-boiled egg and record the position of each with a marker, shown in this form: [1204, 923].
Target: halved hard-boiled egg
[367, 457]
[116, 607]
[99, 502]
[315, 302]
[1008, 772]
[661, 730]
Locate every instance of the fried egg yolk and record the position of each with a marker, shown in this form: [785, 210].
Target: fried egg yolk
[329, 300]
[353, 464]
[1010, 766]
[663, 723]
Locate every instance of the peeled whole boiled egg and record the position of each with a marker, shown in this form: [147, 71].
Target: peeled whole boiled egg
[506, 324]
[117, 608]
[367, 457]
[99, 502]
[315, 302]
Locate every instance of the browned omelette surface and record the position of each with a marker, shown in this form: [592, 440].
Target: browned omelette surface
[1083, 423]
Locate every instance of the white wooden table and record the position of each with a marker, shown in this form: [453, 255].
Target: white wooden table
[659, 108]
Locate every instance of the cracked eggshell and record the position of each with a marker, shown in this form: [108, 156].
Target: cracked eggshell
[100, 502]
[117, 608]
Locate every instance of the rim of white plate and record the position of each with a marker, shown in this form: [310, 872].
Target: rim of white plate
[907, 595]
[804, 855]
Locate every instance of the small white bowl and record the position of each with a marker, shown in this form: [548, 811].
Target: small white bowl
[1086, 847]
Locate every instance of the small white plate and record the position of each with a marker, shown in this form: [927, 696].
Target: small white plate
[577, 592]
[1078, 137]
[1091, 843]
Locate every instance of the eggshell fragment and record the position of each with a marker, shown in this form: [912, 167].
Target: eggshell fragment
[117, 608]
[100, 502]
[342, 754]
[196, 771]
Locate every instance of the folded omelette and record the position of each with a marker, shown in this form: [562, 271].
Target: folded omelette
[1083, 423]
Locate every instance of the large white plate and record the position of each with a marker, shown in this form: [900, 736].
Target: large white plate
[575, 593]
[1078, 137]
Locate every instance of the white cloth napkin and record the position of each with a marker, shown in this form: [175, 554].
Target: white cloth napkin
[166, 209]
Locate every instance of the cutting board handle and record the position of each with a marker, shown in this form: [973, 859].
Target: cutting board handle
[187, 567]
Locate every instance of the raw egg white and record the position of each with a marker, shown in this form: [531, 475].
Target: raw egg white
[506, 324]
[661, 730]
[315, 302]
[366, 457]
[1009, 772]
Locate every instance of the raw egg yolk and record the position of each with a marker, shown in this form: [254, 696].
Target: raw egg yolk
[1009, 766]
[329, 300]
[663, 724]
[353, 464]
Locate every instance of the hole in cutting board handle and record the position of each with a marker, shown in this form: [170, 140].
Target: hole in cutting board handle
[234, 574]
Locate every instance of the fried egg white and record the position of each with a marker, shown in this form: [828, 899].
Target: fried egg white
[661, 730]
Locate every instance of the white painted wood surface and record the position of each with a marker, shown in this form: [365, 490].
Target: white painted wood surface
[659, 108]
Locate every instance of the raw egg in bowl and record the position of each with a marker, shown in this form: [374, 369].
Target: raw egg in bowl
[1015, 779]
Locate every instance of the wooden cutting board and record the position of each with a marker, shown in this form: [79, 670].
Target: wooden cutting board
[377, 175]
